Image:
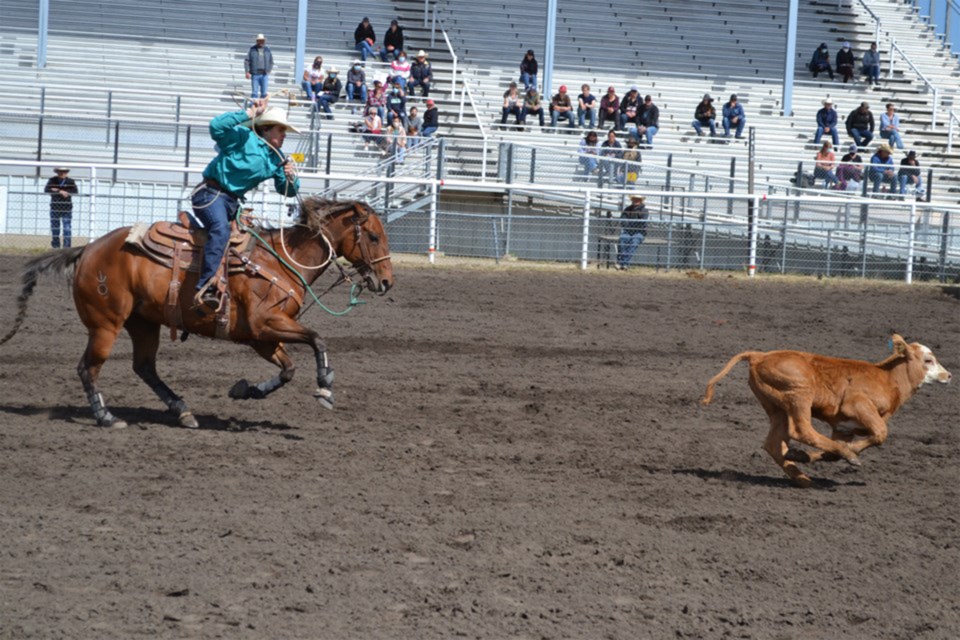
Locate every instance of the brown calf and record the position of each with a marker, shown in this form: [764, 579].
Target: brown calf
[794, 386]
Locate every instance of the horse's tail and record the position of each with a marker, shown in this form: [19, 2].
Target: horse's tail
[746, 355]
[61, 261]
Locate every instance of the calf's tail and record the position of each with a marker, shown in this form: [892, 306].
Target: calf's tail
[60, 261]
[746, 355]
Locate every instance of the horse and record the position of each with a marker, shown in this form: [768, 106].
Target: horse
[117, 286]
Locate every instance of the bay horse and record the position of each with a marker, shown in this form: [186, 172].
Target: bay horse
[117, 286]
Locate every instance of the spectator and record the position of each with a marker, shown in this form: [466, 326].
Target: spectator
[827, 123]
[512, 104]
[733, 116]
[589, 150]
[649, 121]
[633, 229]
[532, 105]
[860, 125]
[357, 83]
[631, 158]
[414, 126]
[561, 108]
[909, 175]
[528, 71]
[392, 42]
[871, 64]
[820, 61]
[365, 40]
[400, 71]
[630, 108]
[850, 172]
[313, 79]
[397, 141]
[825, 164]
[705, 114]
[258, 64]
[61, 189]
[421, 74]
[396, 105]
[431, 120]
[377, 98]
[881, 168]
[330, 92]
[609, 107]
[890, 126]
[611, 148]
[373, 127]
[845, 62]
[586, 106]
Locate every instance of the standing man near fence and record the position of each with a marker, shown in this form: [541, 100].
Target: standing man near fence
[61, 189]
[633, 229]
[258, 64]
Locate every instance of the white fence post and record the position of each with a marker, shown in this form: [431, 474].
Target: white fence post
[936, 104]
[586, 230]
[432, 250]
[911, 241]
[752, 261]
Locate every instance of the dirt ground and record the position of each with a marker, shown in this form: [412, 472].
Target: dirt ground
[517, 453]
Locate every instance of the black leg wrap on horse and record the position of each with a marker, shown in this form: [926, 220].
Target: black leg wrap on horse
[100, 411]
[324, 392]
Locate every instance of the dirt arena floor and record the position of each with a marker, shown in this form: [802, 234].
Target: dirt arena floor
[517, 453]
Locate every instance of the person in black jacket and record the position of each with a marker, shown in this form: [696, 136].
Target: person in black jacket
[630, 108]
[860, 125]
[392, 42]
[649, 121]
[258, 64]
[61, 190]
[845, 62]
[431, 120]
[330, 92]
[421, 74]
[365, 40]
[633, 230]
[528, 70]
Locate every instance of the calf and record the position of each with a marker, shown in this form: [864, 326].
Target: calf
[794, 386]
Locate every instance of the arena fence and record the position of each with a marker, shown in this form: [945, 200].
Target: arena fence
[816, 235]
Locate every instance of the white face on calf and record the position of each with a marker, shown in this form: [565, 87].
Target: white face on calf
[935, 371]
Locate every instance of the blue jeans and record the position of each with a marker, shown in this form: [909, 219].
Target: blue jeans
[516, 111]
[258, 85]
[56, 219]
[699, 127]
[398, 151]
[401, 81]
[740, 124]
[324, 101]
[826, 175]
[893, 137]
[833, 134]
[385, 55]
[627, 247]
[649, 133]
[872, 72]
[352, 92]
[556, 117]
[414, 83]
[214, 209]
[589, 163]
[428, 131]
[311, 89]
[538, 112]
[623, 120]
[904, 181]
[877, 178]
[583, 113]
[364, 48]
[861, 136]
[528, 80]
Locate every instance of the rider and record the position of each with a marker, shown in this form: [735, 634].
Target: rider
[249, 152]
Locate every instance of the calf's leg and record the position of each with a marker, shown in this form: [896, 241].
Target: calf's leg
[776, 445]
[801, 430]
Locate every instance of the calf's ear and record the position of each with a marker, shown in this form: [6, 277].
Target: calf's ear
[899, 344]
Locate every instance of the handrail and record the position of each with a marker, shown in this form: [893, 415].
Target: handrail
[932, 87]
[951, 116]
[876, 19]
[483, 130]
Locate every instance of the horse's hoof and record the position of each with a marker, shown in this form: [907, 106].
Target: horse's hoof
[324, 397]
[240, 390]
[187, 420]
[116, 423]
[797, 455]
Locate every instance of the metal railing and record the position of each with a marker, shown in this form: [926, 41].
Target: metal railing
[951, 118]
[930, 86]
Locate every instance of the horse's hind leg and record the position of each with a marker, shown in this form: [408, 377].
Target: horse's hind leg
[146, 342]
[272, 352]
[99, 344]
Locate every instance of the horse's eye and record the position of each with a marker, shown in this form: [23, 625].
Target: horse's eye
[374, 237]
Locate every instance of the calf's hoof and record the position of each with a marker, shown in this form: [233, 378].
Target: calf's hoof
[797, 455]
[187, 420]
[855, 461]
[324, 397]
[802, 481]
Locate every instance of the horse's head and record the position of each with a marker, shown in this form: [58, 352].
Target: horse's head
[356, 233]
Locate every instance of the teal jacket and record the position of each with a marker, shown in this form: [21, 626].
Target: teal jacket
[244, 160]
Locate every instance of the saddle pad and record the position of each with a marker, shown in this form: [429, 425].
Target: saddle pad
[157, 242]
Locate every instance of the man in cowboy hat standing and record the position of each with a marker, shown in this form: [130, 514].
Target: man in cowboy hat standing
[249, 143]
[421, 74]
[61, 189]
[633, 229]
[258, 64]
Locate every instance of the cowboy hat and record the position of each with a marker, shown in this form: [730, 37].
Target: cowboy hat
[637, 198]
[422, 54]
[827, 101]
[260, 36]
[885, 147]
[273, 116]
[61, 170]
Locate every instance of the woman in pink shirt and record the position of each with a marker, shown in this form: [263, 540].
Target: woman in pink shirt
[826, 164]
[400, 70]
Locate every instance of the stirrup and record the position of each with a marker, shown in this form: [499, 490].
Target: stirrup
[207, 301]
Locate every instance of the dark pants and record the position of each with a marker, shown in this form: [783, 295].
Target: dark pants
[214, 209]
[60, 217]
[413, 83]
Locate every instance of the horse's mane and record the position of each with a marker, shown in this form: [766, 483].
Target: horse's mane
[315, 211]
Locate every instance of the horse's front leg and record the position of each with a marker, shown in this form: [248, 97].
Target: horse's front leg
[272, 352]
[285, 329]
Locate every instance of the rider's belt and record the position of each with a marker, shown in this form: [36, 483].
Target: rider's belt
[210, 182]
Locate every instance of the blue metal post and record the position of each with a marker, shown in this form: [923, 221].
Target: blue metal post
[791, 59]
[301, 39]
[548, 50]
[42, 27]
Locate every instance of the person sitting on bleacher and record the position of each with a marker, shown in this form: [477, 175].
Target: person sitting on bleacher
[400, 70]
[365, 40]
[827, 123]
[871, 64]
[849, 173]
[330, 92]
[733, 116]
[313, 79]
[397, 141]
[705, 114]
[881, 168]
[421, 74]
[611, 148]
[890, 126]
[377, 98]
[586, 106]
[631, 159]
[561, 108]
[431, 120]
[373, 127]
[357, 83]
[909, 174]
[845, 62]
[512, 104]
[860, 125]
[528, 71]
[532, 105]
[825, 163]
[396, 105]
[820, 61]
[630, 108]
[610, 107]
[649, 121]
[414, 126]
[589, 150]
[392, 42]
